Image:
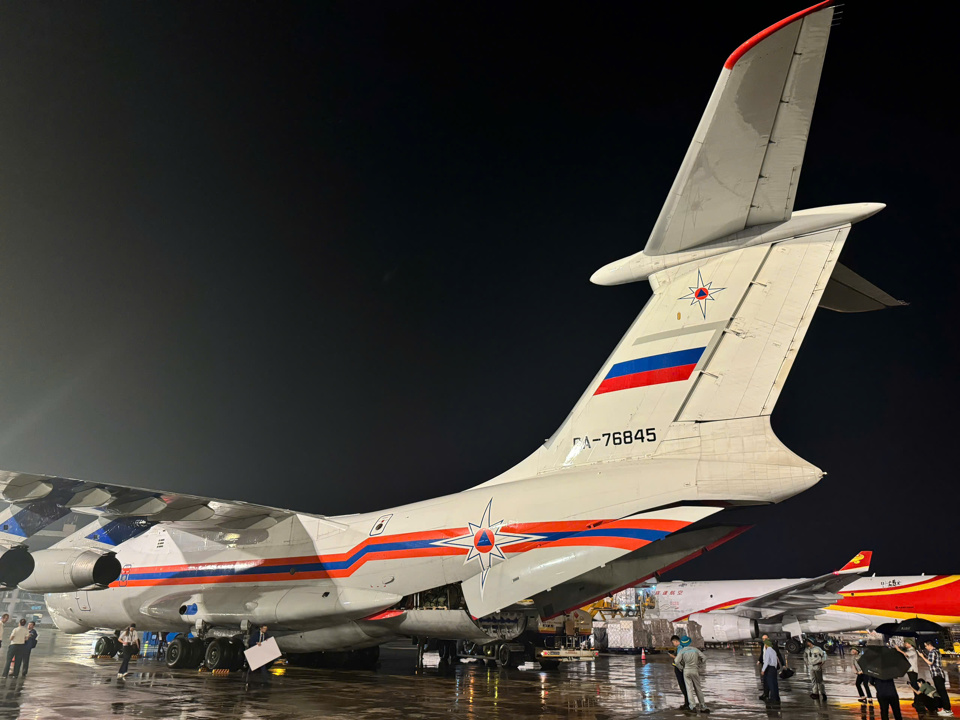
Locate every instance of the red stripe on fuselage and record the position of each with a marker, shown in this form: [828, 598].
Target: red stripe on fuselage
[577, 526]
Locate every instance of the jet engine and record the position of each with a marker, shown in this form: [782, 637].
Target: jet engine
[16, 564]
[725, 627]
[68, 569]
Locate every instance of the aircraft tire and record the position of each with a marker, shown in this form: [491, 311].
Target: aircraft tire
[506, 658]
[106, 645]
[197, 649]
[236, 649]
[219, 655]
[794, 646]
[179, 653]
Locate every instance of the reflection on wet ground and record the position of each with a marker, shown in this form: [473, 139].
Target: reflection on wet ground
[65, 683]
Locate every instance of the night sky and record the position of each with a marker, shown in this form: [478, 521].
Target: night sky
[335, 256]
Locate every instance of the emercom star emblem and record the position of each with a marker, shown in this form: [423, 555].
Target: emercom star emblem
[702, 293]
[484, 542]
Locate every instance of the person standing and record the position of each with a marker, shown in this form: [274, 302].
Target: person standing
[815, 657]
[18, 637]
[863, 682]
[257, 637]
[29, 645]
[691, 661]
[4, 622]
[677, 671]
[769, 670]
[129, 643]
[936, 674]
[888, 698]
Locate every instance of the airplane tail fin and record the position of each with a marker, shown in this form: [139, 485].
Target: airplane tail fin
[860, 563]
[737, 276]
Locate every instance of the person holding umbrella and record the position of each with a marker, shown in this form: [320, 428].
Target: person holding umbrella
[815, 657]
[863, 682]
[909, 651]
[887, 697]
[883, 665]
[932, 659]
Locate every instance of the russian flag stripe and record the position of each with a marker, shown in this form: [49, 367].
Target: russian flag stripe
[652, 370]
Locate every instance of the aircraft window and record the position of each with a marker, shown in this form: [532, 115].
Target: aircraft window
[380, 525]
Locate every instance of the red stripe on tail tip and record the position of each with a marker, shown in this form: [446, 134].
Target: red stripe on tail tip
[763, 35]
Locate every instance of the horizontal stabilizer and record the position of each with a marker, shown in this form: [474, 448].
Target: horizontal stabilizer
[847, 292]
[743, 166]
[632, 569]
[542, 568]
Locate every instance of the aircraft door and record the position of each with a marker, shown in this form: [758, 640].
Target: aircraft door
[83, 601]
[124, 575]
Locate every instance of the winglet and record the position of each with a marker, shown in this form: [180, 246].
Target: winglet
[756, 39]
[859, 564]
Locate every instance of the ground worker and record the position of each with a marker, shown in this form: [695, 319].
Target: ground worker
[815, 657]
[677, 671]
[691, 663]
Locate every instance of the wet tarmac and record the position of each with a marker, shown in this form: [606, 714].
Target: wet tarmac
[64, 682]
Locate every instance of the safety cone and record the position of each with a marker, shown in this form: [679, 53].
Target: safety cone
[643, 653]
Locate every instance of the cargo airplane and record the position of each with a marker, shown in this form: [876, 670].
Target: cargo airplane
[842, 601]
[674, 427]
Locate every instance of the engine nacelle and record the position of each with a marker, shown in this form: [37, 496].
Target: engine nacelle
[725, 627]
[16, 564]
[69, 569]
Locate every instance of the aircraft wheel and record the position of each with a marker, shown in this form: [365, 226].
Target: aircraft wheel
[236, 650]
[794, 646]
[219, 655]
[197, 651]
[106, 645]
[179, 653]
[506, 658]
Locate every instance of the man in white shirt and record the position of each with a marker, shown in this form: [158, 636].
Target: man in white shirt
[130, 642]
[769, 670]
[15, 652]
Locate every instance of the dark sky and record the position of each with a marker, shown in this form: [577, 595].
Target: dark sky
[335, 256]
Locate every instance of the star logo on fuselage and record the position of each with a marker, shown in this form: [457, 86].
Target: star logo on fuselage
[702, 293]
[484, 542]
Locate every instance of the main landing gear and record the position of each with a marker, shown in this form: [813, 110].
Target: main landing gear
[213, 653]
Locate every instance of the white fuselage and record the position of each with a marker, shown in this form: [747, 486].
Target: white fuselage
[863, 605]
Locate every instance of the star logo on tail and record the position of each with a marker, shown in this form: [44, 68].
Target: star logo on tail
[484, 542]
[702, 294]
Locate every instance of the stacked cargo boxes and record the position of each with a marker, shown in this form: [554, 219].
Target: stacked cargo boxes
[633, 633]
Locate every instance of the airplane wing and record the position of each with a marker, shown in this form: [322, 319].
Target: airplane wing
[806, 595]
[743, 166]
[34, 498]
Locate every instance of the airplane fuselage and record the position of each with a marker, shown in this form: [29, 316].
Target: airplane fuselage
[316, 580]
[863, 605]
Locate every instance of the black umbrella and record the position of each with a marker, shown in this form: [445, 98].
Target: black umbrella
[883, 662]
[912, 626]
[888, 629]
